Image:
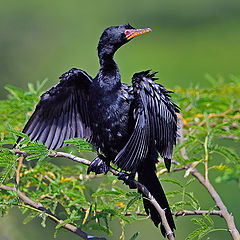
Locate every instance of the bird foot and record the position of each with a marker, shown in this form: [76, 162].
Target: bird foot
[98, 165]
[128, 179]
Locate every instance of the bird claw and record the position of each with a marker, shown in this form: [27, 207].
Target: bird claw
[128, 179]
[98, 166]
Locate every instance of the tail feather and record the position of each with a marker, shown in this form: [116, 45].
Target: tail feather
[148, 177]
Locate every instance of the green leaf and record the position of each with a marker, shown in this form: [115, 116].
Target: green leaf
[176, 192]
[35, 156]
[199, 128]
[205, 232]
[133, 194]
[134, 236]
[63, 223]
[226, 152]
[194, 234]
[199, 222]
[101, 228]
[209, 219]
[115, 213]
[8, 141]
[56, 233]
[171, 181]
[43, 223]
[182, 204]
[35, 147]
[207, 121]
[103, 193]
[16, 92]
[8, 161]
[20, 134]
[193, 199]
[191, 180]
[41, 85]
[131, 202]
[30, 217]
[80, 143]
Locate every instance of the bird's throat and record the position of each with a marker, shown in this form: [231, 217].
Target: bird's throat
[109, 74]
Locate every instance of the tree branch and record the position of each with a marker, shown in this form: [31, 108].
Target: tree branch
[226, 215]
[197, 212]
[176, 213]
[39, 207]
[223, 210]
[213, 193]
[141, 187]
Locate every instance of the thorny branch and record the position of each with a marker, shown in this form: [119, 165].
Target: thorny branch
[190, 169]
[141, 187]
[40, 208]
[177, 213]
[18, 169]
[223, 210]
[222, 213]
[219, 203]
[206, 183]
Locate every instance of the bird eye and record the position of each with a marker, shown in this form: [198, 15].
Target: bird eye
[127, 32]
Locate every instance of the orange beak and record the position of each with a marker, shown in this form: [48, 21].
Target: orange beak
[131, 33]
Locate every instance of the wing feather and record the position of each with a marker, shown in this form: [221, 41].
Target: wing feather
[155, 123]
[62, 111]
[57, 133]
[52, 132]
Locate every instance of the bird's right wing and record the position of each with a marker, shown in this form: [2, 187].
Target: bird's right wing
[62, 112]
[155, 123]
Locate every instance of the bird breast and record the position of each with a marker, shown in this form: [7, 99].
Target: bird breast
[110, 122]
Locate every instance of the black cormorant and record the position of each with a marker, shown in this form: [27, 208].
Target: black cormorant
[130, 125]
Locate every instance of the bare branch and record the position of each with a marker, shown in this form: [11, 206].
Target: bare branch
[177, 213]
[219, 203]
[142, 188]
[39, 207]
[206, 183]
[197, 212]
[20, 160]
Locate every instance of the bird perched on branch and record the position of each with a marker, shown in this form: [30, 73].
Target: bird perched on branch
[130, 125]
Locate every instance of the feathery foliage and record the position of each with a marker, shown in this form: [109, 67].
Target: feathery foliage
[210, 121]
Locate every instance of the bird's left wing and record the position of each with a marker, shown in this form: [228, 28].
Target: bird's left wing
[62, 112]
[155, 123]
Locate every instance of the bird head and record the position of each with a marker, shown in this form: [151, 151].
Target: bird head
[114, 37]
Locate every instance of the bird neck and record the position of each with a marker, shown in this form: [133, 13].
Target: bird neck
[109, 74]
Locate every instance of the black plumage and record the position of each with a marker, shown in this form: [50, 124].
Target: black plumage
[130, 125]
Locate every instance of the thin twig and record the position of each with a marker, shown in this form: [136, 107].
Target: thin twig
[175, 213]
[39, 207]
[213, 115]
[20, 160]
[206, 157]
[197, 212]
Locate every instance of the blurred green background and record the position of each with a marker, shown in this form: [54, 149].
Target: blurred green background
[43, 39]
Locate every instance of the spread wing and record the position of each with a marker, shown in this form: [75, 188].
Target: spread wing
[155, 123]
[62, 112]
